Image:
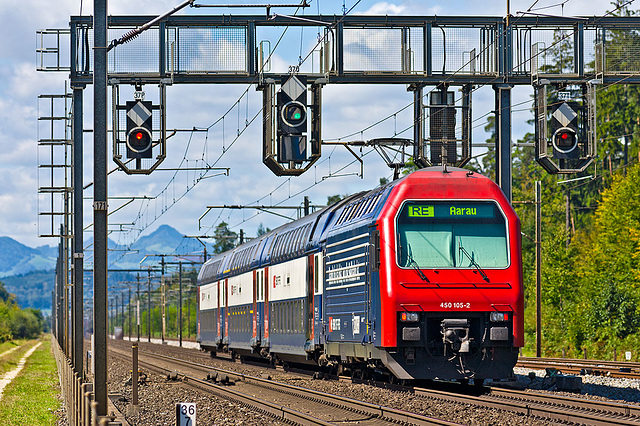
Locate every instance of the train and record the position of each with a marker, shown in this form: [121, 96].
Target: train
[418, 279]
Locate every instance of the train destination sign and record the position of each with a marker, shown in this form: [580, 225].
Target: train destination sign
[449, 210]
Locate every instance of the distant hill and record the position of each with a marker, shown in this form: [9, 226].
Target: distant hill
[16, 258]
[29, 273]
[32, 290]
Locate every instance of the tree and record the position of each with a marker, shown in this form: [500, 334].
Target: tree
[332, 199]
[262, 230]
[224, 239]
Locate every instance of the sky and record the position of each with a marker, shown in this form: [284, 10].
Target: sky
[181, 199]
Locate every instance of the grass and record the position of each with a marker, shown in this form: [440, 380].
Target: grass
[10, 344]
[10, 361]
[31, 399]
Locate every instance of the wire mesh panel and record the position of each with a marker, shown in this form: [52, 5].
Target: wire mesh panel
[416, 50]
[622, 51]
[552, 51]
[206, 49]
[139, 56]
[373, 49]
[591, 40]
[456, 50]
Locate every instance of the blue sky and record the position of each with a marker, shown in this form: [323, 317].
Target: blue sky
[346, 109]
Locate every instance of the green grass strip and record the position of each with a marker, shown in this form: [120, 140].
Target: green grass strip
[10, 361]
[32, 397]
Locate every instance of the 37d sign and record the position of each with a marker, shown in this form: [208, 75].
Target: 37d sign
[186, 414]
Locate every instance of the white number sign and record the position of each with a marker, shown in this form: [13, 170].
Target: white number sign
[186, 414]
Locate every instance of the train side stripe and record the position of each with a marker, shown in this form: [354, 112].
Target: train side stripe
[337, 243]
[333, 253]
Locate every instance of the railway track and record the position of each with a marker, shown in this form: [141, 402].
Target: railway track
[618, 369]
[282, 401]
[534, 404]
[543, 405]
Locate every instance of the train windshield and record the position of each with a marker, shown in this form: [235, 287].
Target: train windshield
[446, 234]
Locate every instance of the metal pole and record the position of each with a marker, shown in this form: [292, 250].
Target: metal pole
[138, 305]
[134, 378]
[503, 138]
[100, 199]
[122, 312]
[180, 304]
[149, 303]
[567, 219]
[163, 307]
[538, 269]
[78, 253]
[418, 127]
[129, 311]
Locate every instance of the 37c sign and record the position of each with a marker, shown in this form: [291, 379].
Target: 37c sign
[186, 414]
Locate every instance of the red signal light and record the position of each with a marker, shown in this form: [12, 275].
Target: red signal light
[139, 135]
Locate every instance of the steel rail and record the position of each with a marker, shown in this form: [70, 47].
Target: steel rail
[375, 412]
[576, 366]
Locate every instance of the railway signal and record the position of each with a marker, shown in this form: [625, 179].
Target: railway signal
[564, 125]
[292, 119]
[139, 129]
[565, 129]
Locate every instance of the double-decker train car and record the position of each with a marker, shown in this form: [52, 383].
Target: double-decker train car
[418, 279]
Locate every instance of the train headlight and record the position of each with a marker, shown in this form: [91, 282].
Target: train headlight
[410, 317]
[498, 317]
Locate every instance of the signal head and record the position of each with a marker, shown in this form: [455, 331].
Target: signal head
[294, 114]
[139, 140]
[565, 141]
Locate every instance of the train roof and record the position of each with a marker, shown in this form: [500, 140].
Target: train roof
[306, 234]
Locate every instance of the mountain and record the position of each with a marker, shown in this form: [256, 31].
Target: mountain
[16, 258]
[29, 273]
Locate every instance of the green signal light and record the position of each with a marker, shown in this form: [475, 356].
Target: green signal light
[297, 116]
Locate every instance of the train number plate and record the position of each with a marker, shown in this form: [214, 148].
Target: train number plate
[455, 305]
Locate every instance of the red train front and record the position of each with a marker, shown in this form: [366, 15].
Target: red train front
[450, 278]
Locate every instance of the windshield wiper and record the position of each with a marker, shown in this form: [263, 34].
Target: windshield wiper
[414, 265]
[473, 262]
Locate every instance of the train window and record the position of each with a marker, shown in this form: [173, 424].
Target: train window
[449, 234]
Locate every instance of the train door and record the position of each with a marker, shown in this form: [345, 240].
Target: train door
[265, 287]
[255, 341]
[308, 317]
[260, 280]
[218, 314]
[198, 338]
[225, 308]
[318, 282]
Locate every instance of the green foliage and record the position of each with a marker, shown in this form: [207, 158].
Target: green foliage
[332, 199]
[224, 238]
[16, 323]
[262, 230]
[5, 296]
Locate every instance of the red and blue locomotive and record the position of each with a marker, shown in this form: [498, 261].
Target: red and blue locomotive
[420, 278]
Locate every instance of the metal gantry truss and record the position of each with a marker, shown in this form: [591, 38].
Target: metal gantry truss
[420, 51]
